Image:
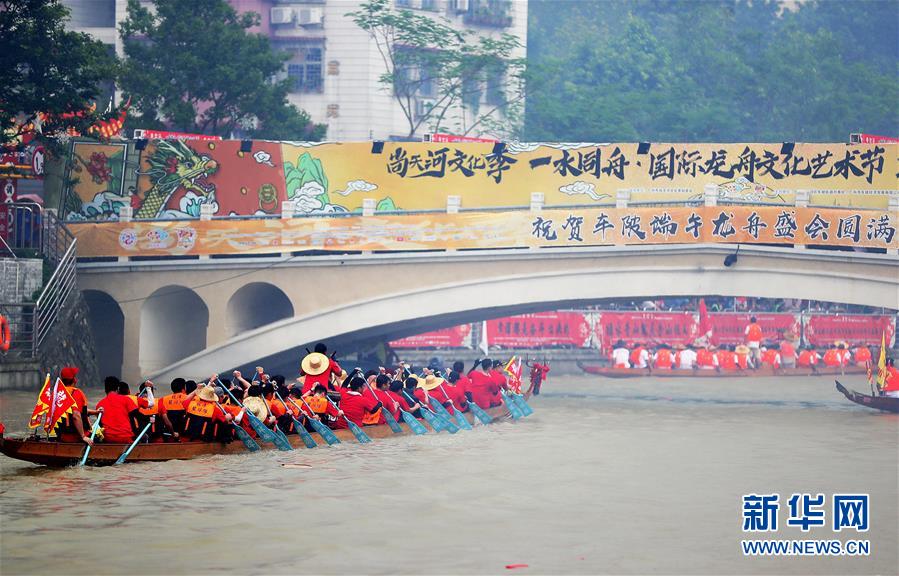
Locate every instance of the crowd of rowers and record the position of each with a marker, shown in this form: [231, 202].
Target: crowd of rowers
[208, 411]
[731, 358]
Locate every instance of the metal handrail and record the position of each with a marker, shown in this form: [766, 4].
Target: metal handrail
[54, 296]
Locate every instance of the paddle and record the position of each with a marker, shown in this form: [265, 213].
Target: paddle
[460, 418]
[94, 428]
[301, 430]
[417, 427]
[320, 427]
[513, 406]
[361, 436]
[391, 421]
[523, 406]
[479, 413]
[263, 431]
[121, 459]
[242, 434]
[438, 423]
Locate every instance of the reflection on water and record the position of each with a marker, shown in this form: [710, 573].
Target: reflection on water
[608, 476]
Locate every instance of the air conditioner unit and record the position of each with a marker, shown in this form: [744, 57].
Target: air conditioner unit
[461, 5]
[307, 16]
[282, 15]
[423, 106]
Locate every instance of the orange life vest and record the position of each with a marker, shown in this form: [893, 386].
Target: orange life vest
[635, 356]
[319, 404]
[862, 354]
[832, 357]
[173, 401]
[787, 350]
[727, 360]
[663, 358]
[755, 333]
[770, 357]
[743, 361]
[370, 419]
[808, 358]
[704, 358]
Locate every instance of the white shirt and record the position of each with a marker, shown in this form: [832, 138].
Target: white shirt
[621, 357]
[643, 359]
[687, 359]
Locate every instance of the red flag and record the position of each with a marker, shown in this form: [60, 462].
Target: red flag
[513, 369]
[42, 406]
[62, 404]
[705, 323]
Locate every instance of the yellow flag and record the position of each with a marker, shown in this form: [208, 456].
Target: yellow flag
[882, 362]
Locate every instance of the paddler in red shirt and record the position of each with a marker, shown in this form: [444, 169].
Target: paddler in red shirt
[727, 358]
[891, 383]
[484, 389]
[378, 392]
[118, 412]
[354, 405]
[862, 355]
[787, 353]
[663, 359]
[318, 368]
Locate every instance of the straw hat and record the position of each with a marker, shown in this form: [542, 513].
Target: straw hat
[314, 364]
[256, 405]
[207, 393]
[430, 382]
[742, 349]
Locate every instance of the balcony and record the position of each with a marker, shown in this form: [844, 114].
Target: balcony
[492, 13]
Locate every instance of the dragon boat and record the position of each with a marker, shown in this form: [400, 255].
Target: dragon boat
[60, 454]
[885, 403]
[610, 372]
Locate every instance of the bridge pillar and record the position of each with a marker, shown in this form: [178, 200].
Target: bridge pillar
[131, 371]
[217, 329]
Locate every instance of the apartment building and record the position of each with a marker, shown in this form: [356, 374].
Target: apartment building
[335, 66]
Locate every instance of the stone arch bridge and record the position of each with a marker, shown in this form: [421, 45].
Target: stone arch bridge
[192, 318]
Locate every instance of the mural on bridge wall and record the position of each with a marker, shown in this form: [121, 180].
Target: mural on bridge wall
[174, 177]
[550, 227]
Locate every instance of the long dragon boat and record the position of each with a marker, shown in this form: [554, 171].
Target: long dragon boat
[610, 372]
[885, 403]
[59, 454]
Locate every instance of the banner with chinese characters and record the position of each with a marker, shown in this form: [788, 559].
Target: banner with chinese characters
[646, 328]
[173, 178]
[824, 330]
[730, 328]
[454, 337]
[576, 227]
[541, 329]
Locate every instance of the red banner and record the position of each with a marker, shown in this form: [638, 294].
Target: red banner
[871, 139]
[824, 330]
[647, 328]
[730, 328]
[455, 337]
[541, 329]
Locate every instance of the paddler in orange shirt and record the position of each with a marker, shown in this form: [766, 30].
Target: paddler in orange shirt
[891, 383]
[663, 359]
[74, 427]
[862, 355]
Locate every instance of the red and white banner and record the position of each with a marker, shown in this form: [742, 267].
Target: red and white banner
[541, 329]
[440, 137]
[455, 337]
[823, 330]
[730, 328]
[647, 328]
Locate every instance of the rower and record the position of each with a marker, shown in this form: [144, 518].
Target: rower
[639, 357]
[891, 383]
[202, 415]
[686, 358]
[832, 358]
[318, 368]
[771, 356]
[396, 392]
[706, 359]
[484, 388]
[663, 359]
[118, 412]
[862, 355]
[809, 357]
[787, 353]
[727, 358]
[455, 387]
[161, 423]
[174, 404]
[620, 355]
[360, 410]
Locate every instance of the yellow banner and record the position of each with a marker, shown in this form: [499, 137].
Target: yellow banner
[558, 227]
[173, 179]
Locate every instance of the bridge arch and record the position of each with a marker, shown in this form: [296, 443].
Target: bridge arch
[254, 305]
[107, 322]
[173, 321]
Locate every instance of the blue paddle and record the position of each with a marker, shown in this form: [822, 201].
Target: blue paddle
[263, 431]
[242, 434]
[301, 430]
[388, 417]
[460, 418]
[326, 433]
[361, 436]
[94, 428]
[441, 411]
[526, 409]
[121, 459]
[479, 413]
[512, 406]
[437, 423]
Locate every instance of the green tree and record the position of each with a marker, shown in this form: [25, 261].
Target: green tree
[193, 66]
[426, 58]
[46, 69]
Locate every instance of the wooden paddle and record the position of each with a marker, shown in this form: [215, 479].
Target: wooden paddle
[94, 428]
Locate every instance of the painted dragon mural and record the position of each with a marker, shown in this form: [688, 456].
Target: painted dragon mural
[174, 166]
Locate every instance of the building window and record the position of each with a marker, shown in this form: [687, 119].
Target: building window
[305, 69]
[496, 89]
[91, 14]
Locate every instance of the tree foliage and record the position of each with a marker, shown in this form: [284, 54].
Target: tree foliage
[46, 69]
[735, 70]
[426, 57]
[193, 66]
